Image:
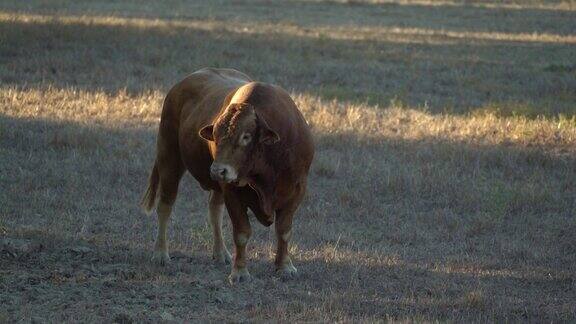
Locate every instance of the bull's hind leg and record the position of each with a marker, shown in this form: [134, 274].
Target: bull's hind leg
[170, 175]
[215, 213]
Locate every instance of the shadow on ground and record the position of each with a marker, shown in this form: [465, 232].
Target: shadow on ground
[365, 249]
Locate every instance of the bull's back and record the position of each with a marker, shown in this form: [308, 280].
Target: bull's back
[192, 104]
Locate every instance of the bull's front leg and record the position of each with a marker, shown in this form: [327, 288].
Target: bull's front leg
[283, 225]
[215, 213]
[241, 232]
[283, 263]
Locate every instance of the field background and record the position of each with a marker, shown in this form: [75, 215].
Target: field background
[443, 188]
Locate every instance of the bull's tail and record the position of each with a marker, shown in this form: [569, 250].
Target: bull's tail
[149, 198]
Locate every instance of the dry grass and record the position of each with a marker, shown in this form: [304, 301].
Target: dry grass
[443, 188]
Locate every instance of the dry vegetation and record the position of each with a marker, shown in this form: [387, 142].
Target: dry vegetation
[443, 188]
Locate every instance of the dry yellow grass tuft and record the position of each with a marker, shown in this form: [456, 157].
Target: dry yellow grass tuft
[443, 187]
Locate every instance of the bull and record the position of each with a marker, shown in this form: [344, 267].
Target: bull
[248, 144]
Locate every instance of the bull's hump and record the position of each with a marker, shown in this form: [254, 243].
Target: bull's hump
[249, 92]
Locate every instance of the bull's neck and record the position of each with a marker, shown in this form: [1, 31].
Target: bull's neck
[264, 178]
[263, 181]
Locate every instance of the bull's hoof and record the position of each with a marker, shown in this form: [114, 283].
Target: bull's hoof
[239, 275]
[287, 272]
[160, 258]
[222, 258]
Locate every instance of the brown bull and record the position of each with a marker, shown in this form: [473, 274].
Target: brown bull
[248, 144]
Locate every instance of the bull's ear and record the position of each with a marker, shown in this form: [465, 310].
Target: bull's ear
[207, 132]
[268, 136]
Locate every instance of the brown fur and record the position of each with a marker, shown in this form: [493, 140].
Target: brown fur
[276, 172]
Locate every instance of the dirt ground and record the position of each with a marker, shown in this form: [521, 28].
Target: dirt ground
[443, 187]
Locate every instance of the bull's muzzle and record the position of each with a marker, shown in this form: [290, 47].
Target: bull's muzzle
[223, 172]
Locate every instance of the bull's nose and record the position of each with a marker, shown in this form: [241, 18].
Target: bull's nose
[220, 172]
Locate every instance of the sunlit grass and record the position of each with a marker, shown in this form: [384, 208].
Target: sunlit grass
[568, 5]
[493, 125]
[75, 105]
[348, 32]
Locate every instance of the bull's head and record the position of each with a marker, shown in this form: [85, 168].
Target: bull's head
[237, 133]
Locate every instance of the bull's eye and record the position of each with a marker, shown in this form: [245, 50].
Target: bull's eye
[245, 138]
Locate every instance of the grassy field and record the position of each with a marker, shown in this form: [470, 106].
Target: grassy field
[443, 188]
